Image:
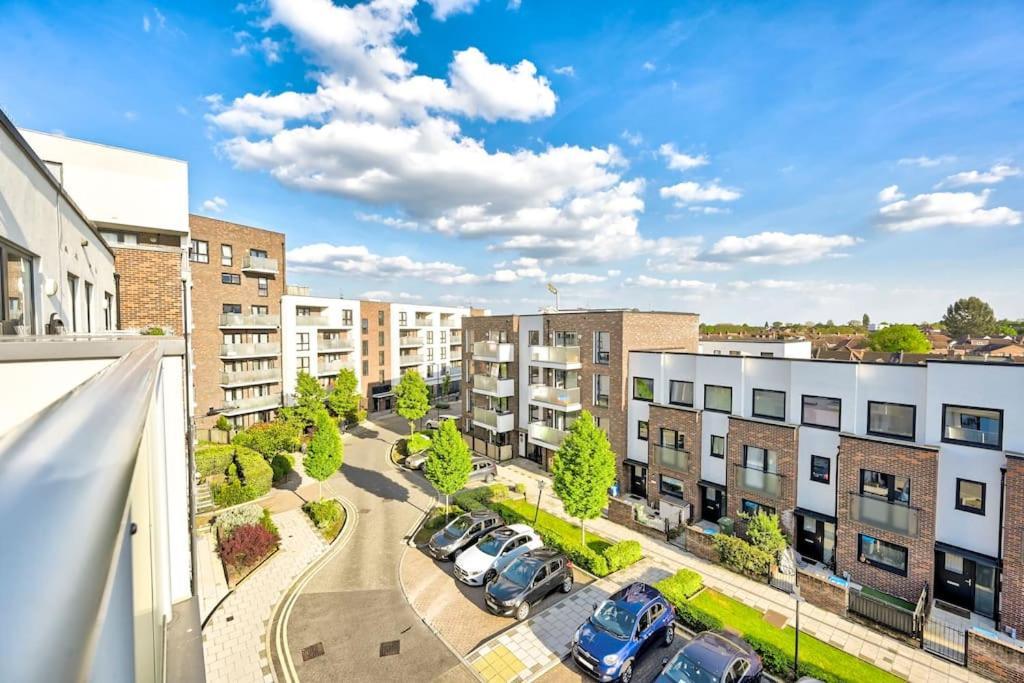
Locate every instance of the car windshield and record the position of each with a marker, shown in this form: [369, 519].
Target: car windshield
[685, 670]
[456, 529]
[611, 618]
[491, 545]
[519, 573]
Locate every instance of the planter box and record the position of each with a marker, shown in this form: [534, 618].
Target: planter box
[700, 544]
[821, 592]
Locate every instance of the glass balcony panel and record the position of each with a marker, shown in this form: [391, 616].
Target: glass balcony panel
[883, 514]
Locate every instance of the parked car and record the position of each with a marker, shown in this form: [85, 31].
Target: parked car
[607, 645]
[435, 422]
[713, 656]
[461, 533]
[527, 580]
[492, 553]
[484, 470]
[416, 461]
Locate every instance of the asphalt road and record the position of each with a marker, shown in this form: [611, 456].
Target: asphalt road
[647, 670]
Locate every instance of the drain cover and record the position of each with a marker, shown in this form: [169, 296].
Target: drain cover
[312, 651]
[390, 647]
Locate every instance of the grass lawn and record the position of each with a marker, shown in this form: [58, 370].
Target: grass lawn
[553, 525]
[748, 621]
[891, 599]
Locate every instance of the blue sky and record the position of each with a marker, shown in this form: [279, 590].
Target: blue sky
[745, 161]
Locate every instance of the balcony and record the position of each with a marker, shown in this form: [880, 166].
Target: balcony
[566, 400]
[242, 377]
[329, 345]
[331, 369]
[250, 350]
[252, 404]
[249, 321]
[558, 357]
[312, 320]
[548, 437]
[296, 290]
[493, 386]
[450, 323]
[758, 481]
[673, 458]
[424, 320]
[260, 265]
[883, 514]
[411, 359]
[493, 420]
[407, 341]
[494, 352]
[456, 340]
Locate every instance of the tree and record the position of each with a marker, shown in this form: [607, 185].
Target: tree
[269, 438]
[970, 317]
[764, 532]
[448, 462]
[899, 338]
[309, 398]
[865, 320]
[412, 398]
[446, 385]
[223, 424]
[583, 470]
[324, 455]
[344, 398]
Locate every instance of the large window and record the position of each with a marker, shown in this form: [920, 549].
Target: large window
[16, 292]
[643, 428]
[750, 507]
[643, 388]
[717, 398]
[262, 286]
[981, 427]
[230, 279]
[680, 393]
[970, 496]
[762, 459]
[882, 554]
[226, 255]
[602, 389]
[821, 469]
[670, 486]
[717, 446]
[199, 251]
[302, 341]
[769, 404]
[890, 487]
[894, 420]
[820, 411]
[602, 347]
[670, 438]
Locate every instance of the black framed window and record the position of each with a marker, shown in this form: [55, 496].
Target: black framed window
[671, 438]
[602, 390]
[893, 488]
[821, 469]
[17, 293]
[302, 341]
[882, 554]
[762, 459]
[769, 404]
[231, 308]
[979, 427]
[717, 398]
[199, 251]
[970, 496]
[821, 411]
[752, 507]
[602, 347]
[717, 446]
[680, 393]
[670, 486]
[230, 279]
[893, 420]
[643, 429]
[643, 388]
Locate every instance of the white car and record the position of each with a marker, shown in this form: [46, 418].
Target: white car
[484, 561]
[435, 423]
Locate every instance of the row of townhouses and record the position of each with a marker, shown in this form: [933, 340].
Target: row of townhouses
[895, 476]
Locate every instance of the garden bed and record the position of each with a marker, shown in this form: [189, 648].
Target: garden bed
[246, 538]
[436, 519]
[328, 516]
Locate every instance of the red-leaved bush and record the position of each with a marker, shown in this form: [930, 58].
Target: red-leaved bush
[247, 545]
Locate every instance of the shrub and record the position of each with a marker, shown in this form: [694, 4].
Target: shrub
[740, 556]
[247, 478]
[154, 331]
[213, 458]
[696, 619]
[482, 497]
[229, 520]
[764, 532]
[358, 417]
[416, 443]
[267, 522]
[778, 662]
[269, 438]
[223, 424]
[324, 513]
[282, 464]
[681, 586]
[519, 488]
[246, 545]
[623, 554]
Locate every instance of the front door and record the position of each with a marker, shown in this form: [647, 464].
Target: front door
[954, 579]
[810, 540]
[712, 503]
[638, 480]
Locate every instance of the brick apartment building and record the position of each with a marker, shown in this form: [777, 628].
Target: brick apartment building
[238, 279]
[375, 338]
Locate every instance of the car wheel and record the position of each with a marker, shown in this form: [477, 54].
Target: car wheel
[523, 611]
[670, 634]
[627, 672]
[491, 575]
[567, 584]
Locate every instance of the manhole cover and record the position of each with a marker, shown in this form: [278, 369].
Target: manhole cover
[390, 647]
[312, 651]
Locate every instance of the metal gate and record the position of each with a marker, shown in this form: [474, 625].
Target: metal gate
[945, 640]
[784, 582]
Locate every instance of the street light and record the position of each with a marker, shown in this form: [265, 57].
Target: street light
[796, 647]
[540, 492]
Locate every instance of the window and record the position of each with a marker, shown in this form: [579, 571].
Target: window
[430, 354]
[717, 446]
[444, 353]
[225, 255]
[380, 339]
[444, 337]
[643, 429]
[17, 294]
[751, 507]
[755, 458]
[821, 469]
[718, 399]
[365, 324]
[199, 252]
[673, 439]
[231, 308]
[602, 347]
[73, 292]
[970, 496]
[262, 286]
[680, 393]
[366, 347]
[430, 336]
[366, 368]
[601, 423]
[346, 317]
[108, 311]
[895, 420]
[820, 411]
[380, 358]
[895, 489]
[602, 387]
[643, 388]
[403, 318]
[767, 354]
[380, 317]
[303, 363]
[670, 486]
[769, 404]
[230, 279]
[882, 554]
[302, 341]
[88, 307]
[534, 338]
[259, 310]
[258, 253]
[981, 427]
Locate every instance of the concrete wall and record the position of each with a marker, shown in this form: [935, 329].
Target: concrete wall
[754, 347]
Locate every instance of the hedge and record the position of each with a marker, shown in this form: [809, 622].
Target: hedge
[740, 556]
[778, 662]
[247, 478]
[623, 554]
[681, 586]
[212, 458]
[324, 513]
[282, 464]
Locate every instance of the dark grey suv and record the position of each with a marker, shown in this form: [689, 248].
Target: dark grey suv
[529, 579]
[462, 532]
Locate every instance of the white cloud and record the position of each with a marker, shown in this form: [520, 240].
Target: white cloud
[674, 283]
[614, 272]
[576, 278]
[691, 192]
[567, 70]
[648, 66]
[215, 204]
[145, 24]
[181, 109]
[514, 5]
[130, 115]
[779, 248]
[247, 44]
[389, 221]
[798, 286]
[680, 161]
[387, 295]
[926, 162]
[890, 194]
[493, 91]
[963, 209]
[445, 8]
[708, 210]
[633, 139]
[994, 175]
[158, 21]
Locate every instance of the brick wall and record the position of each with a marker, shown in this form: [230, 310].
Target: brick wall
[371, 312]
[995, 659]
[1012, 595]
[920, 464]
[821, 593]
[687, 422]
[700, 544]
[481, 328]
[780, 438]
[150, 288]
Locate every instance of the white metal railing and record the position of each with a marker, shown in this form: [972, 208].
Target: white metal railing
[250, 349]
[548, 435]
[254, 402]
[251, 376]
[331, 368]
[312, 320]
[554, 395]
[262, 264]
[562, 355]
[249, 320]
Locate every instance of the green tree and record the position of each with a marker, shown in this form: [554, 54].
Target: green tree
[583, 470]
[1006, 329]
[223, 424]
[324, 455]
[309, 398]
[865, 320]
[448, 462]
[970, 317]
[764, 532]
[412, 398]
[269, 438]
[899, 338]
[446, 385]
[344, 398]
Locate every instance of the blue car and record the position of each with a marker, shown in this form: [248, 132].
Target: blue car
[621, 628]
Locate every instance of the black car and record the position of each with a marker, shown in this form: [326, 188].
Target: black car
[462, 532]
[526, 581]
[713, 657]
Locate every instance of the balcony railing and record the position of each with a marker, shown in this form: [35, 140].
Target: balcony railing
[884, 514]
[259, 264]
[674, 458]
[250, 350]
[456, 340]
[485, 384]
[410, 340]
[494, 352]
[253, 403]
[261, 376]
[758, 481]
[325, 345]
[555, 355]
[563, 398]
[449, 322]
[331, 368]
[548, 436]
[249, 321]
[411, 359]
[424, 321]
[312, 320]
[978, 436]
[492, 419]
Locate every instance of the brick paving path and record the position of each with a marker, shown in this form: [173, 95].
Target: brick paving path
[234, 638]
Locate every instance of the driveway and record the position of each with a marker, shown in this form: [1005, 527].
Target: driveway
[353, 609]
[647, 670]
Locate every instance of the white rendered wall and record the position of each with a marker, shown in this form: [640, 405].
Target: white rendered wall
[643, 365]
[333, 310]
[778, 349]
[435, 328]
[527, 323]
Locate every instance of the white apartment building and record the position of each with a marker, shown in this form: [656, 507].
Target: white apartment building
[429, 341]
[318, 336]
[765, 348]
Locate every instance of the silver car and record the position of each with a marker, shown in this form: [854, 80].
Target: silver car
[484, 470]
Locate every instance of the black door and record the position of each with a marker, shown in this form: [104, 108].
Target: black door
[712, 503]
[954, 579]
[810, 540]
[540, 585]
[638, 481]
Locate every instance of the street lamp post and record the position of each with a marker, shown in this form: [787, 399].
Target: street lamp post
[796, 645]
[540, 492]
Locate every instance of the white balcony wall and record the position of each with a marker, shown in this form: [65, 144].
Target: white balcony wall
[778, 349]
[813, 495]
[527, 323]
